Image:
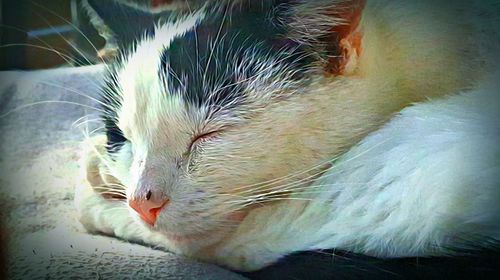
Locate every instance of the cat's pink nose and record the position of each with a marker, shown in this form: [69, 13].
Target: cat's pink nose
[149, 207]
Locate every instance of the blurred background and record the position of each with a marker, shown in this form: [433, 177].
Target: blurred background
[37, 34]
[40, 34]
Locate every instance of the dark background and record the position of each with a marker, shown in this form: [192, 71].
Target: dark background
[36, 34]
[32, 31]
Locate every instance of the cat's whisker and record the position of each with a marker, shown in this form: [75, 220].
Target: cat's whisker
[86, 129]
[288, 176]
[69, 43]
[281, 192]
[64, 56]
[113, 185]
[85, 121]
[117, 187]
[76, 123]
[110, 185]
[282, 178]
[102, 156]
[86, 132]
[113, 193]
[76, 29]
[87, 136]
[78, 93]
[274, 183]
[288, 186]
[92, 132]
[274, 199]
[335, 166]
[47, 102]
[215, 44]
[268, 67]
[292, 193]
[108, 188]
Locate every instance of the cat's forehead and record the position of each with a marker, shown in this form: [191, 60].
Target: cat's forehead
[144, 101]
[209, 60]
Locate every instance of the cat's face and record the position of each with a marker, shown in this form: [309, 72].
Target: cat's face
[220, 112]
[204, 122]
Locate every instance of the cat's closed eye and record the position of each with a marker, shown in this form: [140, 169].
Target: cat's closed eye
[203, 137]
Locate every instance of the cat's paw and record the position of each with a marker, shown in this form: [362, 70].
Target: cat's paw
[95, 171]
[87, 204]
[93, 195]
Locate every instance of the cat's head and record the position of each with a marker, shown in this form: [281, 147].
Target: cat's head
[206, 116]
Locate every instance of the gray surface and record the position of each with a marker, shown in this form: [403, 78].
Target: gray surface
[38, 172]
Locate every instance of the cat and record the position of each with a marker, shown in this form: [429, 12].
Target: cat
[238, 132]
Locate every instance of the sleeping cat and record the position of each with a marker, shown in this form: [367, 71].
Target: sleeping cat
[233, 132]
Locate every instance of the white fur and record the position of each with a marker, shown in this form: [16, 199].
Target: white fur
[424, 184]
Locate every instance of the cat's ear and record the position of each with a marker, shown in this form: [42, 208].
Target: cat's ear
[329, 29]
[119, 24]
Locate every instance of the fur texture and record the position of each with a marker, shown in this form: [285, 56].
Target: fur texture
[280, 170]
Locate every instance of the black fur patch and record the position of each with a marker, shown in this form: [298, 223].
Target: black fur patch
[111, 100]
[200, 64]
[203, 61]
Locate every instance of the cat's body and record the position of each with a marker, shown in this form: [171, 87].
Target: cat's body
[227, 138]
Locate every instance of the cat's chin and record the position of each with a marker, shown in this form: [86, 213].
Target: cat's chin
[208, 237]
[196, 241]
[186, 239]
